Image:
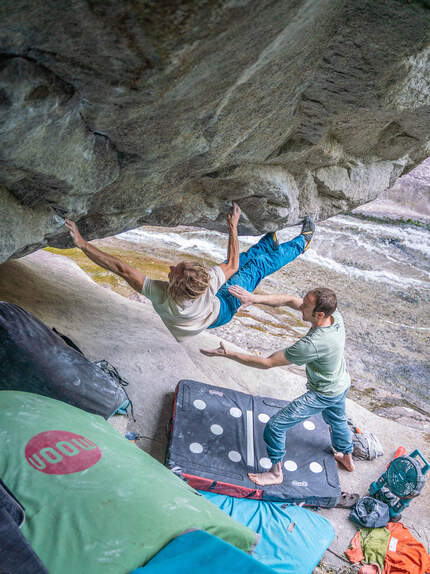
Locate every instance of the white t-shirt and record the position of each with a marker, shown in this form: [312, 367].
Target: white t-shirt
[190, 317]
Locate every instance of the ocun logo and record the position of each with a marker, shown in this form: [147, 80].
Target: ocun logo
[218, 393]
[61, 452]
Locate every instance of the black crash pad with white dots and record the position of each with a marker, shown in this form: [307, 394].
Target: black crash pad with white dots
[217, 438]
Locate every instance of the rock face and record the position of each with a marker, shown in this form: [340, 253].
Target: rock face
[120, 114]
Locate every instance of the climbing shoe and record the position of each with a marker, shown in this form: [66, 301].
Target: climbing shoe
[308, 230]
[275, 240]
[275, 243]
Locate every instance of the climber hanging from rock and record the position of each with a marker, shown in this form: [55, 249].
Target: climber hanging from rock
[195, 297]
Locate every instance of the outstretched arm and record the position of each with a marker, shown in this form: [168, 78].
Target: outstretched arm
[134, 277]
[232, 264]
[246, 298]
[277, 359]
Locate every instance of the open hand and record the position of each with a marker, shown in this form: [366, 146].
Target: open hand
[234, 215]
[245, 297]
[78, 240]
[221, 351]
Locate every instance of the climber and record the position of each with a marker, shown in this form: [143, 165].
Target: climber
[328, 380]
[196, 297]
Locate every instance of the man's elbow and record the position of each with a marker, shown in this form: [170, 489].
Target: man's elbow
[121, 269]
[230, 270]
[124, 270]
[266, 364]
[234, 267]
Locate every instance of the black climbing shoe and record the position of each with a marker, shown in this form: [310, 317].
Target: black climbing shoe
[308, 230]
[275, 240]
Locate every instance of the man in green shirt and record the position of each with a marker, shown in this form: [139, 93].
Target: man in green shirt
[321, 350]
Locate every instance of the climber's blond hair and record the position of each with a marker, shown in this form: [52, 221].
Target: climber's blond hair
[190, 284]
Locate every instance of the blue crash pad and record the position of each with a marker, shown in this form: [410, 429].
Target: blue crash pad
[293, 539]
[201, 553]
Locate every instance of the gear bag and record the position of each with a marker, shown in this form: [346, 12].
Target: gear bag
[370, 512]
[35, 359]
[366, 446]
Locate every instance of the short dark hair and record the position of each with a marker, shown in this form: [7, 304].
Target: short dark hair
[325, 300]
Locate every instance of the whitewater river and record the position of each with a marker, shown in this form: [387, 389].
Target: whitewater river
[381, 274]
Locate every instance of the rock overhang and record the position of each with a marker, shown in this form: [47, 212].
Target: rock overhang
[162, 114]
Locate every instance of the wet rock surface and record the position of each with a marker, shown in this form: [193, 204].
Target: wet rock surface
[124, 114]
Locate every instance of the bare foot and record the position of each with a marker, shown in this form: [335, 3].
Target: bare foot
[273, 476]
[345, 460]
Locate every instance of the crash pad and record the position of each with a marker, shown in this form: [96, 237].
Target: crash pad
[292, 539]
[201, 553]
[94, 502]
[217, 439]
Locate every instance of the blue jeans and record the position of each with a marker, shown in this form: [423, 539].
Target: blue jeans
[254, 265]
[311, 403]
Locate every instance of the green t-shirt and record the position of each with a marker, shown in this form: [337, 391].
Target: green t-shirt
[321, 350]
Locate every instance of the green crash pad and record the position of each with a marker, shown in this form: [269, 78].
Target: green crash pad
[94, 501]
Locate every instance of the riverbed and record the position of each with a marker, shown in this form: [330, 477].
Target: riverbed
[380, 270]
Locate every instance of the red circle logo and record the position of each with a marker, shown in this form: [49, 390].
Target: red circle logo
[61, 452]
